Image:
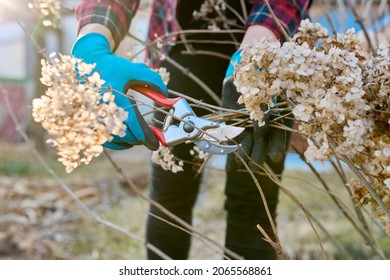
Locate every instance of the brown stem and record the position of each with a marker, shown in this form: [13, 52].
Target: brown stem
[209, 53]
[344, 210]
[263, 198]
[185, 230]
[186, 72]
[363, 179]
[359, 20]
[274, 245]
[196, 101]
[310, 216]
[277, 21]
[175, 218]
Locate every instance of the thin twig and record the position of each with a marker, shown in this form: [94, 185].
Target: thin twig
[283, 127]
[277, 21]
[207, 53]
[334, 198]
[236, 13]
[315, 232]
[268, 171]
[174, 217]
[244, 9]
[359, 20]
[343, 176]
[210, 41]
[342, 207]
[310, 216]
[339, 169]
[204, 131]
[331, 25]
[363, 179]
[225, 21]
[263, 198]
[184, 230]
[274, 245]
[186, 72]
[176, 93]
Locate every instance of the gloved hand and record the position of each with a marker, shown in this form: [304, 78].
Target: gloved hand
[257, 142]
[120, 74]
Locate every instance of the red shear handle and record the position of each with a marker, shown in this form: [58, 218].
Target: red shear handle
[159, 135]
[156, 97]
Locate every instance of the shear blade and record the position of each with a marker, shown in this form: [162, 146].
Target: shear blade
[215, 149]
[222, 133]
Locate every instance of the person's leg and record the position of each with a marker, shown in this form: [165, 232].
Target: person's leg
[177, 191]
[245, 210]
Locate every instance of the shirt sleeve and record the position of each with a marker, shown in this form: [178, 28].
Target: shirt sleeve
[290, 13]
[116, 15]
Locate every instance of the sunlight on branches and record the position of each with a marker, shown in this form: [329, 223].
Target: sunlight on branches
[49, 10]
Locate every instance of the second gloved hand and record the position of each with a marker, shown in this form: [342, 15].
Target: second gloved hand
[259, 143]
[121, 74]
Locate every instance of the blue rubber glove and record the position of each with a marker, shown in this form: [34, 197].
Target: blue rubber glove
[236, 59]
[259, 143]
[121, 74]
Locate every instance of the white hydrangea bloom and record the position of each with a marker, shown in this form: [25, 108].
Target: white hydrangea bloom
[167, 160]
[73, 111]
[340, 95]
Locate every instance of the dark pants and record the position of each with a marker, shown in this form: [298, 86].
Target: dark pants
[178, 192]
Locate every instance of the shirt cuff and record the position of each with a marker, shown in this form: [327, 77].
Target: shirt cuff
[289, 14]
[115, 16]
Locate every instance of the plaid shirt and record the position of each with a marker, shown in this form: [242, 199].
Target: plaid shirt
[116, 15]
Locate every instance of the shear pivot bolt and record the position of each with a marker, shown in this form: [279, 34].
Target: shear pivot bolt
[188, 127]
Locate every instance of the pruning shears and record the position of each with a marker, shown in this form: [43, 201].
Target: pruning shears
[182, 125]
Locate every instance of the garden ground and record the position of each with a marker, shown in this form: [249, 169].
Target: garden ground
[39, 221]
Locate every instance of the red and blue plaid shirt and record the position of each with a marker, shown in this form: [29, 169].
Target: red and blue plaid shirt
[116, 15]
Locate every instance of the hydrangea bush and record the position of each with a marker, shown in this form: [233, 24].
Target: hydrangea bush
[338, 93]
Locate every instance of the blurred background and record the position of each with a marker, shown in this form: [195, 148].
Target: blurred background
[39, 221]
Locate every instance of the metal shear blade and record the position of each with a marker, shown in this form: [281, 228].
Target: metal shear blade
[182, 125]
[215, 149]
[211, 140]
[223, 133]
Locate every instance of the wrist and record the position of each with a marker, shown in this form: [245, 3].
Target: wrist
[97, 28]
[91, 47]
[256, 32]
[235, 59]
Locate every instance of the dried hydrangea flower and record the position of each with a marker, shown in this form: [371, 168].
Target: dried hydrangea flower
[339, 92]
[213, 12]
[165, 75]
[49, 10]
[75, 113]
[167, 160]
[199, 154]
[324, 81]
